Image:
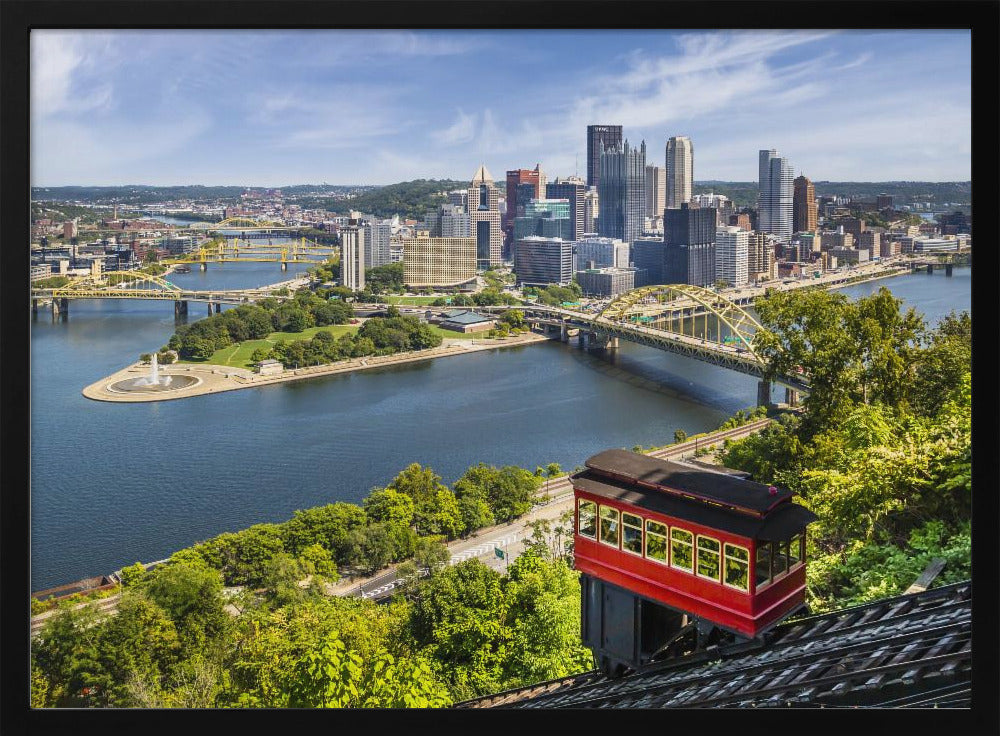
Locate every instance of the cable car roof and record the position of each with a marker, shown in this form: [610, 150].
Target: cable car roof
[781, 523]
[676, 479]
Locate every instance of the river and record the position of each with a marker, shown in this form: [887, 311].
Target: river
[112, 484]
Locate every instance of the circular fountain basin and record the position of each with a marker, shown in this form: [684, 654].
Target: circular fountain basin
[143, 385]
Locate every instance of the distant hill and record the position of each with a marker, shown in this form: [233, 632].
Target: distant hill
[744, 193]
[412, 199]
[408, 199]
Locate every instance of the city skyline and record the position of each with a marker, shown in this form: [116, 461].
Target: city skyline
[270, 108]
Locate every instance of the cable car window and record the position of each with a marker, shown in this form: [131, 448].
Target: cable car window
[609, 525]
[588, 519]
[656, 541]
[763, 567]
[708, 558]
[681, 553]
[632, 533]
[779, 563]
[737, 567]
[795, 551]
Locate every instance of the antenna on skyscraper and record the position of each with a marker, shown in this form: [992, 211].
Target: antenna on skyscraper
[576, 166]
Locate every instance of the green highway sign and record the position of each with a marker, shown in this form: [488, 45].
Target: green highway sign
[499, 552]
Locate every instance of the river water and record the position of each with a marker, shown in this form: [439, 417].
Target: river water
[112, 484]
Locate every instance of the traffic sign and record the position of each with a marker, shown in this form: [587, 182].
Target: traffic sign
[499, 552]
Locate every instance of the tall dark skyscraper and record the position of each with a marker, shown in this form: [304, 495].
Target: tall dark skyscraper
[598, 135]
[689, 244]
[621, 192]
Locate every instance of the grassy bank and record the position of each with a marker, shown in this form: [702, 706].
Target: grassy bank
[238, 356]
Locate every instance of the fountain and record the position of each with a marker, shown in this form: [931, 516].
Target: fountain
[154, 376]
[154, 382]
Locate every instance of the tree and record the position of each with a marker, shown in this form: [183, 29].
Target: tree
[133, 575]
[514, 318]
[430, 553]
[679, 436]
[389, 505]
[329, 526]
[850, 352]
[509, 491]
[192, 598]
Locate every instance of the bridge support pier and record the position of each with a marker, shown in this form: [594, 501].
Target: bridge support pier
[180, 308]
[564, 332]
[930, 268]
[948, 269]
[763, 393]
[203, 266]
[284, 266]
[791, 397]
[218, 307]
[34, 306]
[60, 307]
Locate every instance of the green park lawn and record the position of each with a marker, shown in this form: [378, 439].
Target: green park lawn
[238, 356]
[413, 300]
[452, 334]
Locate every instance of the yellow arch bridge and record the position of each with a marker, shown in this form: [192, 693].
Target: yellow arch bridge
[138, 285]
[678, 318]
[233, 250]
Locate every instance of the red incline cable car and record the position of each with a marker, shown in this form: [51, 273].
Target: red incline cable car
[675, 558]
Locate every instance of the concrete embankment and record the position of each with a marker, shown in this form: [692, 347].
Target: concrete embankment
[217, 378]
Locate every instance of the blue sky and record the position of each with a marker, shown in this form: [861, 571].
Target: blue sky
[269, 108]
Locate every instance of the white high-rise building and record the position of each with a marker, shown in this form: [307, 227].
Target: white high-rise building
[352, 257]
[656, 191]
[377, 234]
[774, 203]
[732, 251]
[680, 170]
[603, 252]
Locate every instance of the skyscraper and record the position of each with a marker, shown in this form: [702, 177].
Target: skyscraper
[774, 202]
[352, 257]
[540, 260]
[377, 234]
[805, 214]
[598, 136]
[680, 170]
[574, 190]
[689, 246]
[621, 191]
[732, 255]
[514, 178]
[656, 191]
[484, 219]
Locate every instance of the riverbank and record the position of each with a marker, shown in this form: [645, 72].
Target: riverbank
[216, 378]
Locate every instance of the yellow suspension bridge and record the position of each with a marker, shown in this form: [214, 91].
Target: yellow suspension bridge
[138, 285]
[233, 250]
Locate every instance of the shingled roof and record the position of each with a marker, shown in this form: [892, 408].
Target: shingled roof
[909, 651]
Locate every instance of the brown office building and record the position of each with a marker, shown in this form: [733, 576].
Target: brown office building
[804, 209]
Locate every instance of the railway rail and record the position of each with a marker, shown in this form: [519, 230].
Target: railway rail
[909, 651]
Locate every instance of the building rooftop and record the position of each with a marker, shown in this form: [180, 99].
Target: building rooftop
[910, 651]
[468, 318]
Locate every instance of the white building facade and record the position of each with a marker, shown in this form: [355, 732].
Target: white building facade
[732, 250]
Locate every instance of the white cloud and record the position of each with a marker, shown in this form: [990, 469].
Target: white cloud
[64, 150]
[461, 131]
